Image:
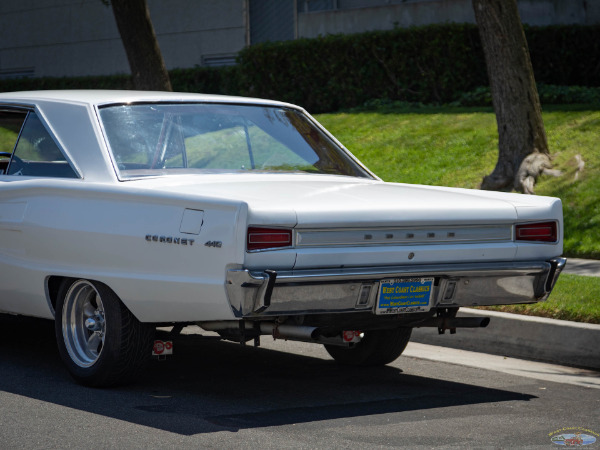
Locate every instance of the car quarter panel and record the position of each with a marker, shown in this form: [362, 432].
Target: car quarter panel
[129, 239]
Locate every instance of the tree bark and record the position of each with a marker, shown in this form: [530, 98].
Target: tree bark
[523, 147]
[139, 39]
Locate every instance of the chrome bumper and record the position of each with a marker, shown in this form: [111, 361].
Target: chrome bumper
[271, 293]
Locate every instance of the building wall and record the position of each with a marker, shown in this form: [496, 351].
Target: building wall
[271, 20]
[80, 37]
[354, 16]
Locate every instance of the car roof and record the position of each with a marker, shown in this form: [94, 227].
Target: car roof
[106, 97]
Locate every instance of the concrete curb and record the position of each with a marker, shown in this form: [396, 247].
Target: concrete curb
[585, 267]
[537, 338]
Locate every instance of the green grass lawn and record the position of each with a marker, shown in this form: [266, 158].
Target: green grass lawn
[448, 146]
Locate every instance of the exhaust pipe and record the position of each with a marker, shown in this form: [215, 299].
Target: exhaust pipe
[293, 332]
[278, 331]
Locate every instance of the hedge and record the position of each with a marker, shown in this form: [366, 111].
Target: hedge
[430, 64]
[45, 83]
[424, 64]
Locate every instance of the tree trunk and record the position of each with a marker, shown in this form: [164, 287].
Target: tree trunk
[523, 147]
[143, 53]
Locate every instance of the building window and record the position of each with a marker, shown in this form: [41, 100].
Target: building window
[316, 5]
[271, 20]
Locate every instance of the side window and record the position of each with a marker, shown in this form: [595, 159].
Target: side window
[11, 123]
[37, 154]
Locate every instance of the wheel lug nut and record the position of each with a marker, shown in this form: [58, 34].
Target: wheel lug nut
[90, 324]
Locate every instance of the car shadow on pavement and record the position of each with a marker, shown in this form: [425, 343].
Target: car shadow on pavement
[211, 386]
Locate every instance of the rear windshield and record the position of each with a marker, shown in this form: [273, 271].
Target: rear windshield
[159, 139]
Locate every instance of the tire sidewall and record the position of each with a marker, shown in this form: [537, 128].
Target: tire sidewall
[378, 347]
[98, 372]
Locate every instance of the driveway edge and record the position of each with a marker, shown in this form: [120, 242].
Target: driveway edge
[518, 336]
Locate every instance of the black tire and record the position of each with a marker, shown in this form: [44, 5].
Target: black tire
[377, 348]
[99, 340]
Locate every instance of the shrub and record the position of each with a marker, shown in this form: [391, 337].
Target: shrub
[549, 94]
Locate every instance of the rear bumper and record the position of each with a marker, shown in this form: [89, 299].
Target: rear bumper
[270, 293]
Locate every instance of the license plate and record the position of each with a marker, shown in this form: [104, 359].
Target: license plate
[404, 295]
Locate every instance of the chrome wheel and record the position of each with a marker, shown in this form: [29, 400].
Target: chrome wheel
[83, 323]
[100, 341]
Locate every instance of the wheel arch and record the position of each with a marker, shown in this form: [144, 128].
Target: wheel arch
[53, 283]
[52, 286]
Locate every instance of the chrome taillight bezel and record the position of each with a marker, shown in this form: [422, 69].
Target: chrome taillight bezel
[537, 232]
[268, 238]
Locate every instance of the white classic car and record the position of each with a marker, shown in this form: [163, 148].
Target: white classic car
[122, 211]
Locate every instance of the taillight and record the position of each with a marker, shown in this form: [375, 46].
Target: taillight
[540, 232]
[264, 238]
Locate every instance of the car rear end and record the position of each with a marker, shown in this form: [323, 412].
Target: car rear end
[392, 263]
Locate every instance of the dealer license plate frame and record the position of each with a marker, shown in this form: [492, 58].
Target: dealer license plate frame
[404, 295]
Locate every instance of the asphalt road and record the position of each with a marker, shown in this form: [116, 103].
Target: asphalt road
[287, 395]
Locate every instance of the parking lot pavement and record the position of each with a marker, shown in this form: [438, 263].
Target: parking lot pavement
[286, 394]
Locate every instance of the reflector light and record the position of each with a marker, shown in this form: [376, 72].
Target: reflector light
[365, 295]
[540, 232]
[265, 238]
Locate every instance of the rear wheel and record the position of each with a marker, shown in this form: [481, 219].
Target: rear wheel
[376, 348]
[99, 340]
